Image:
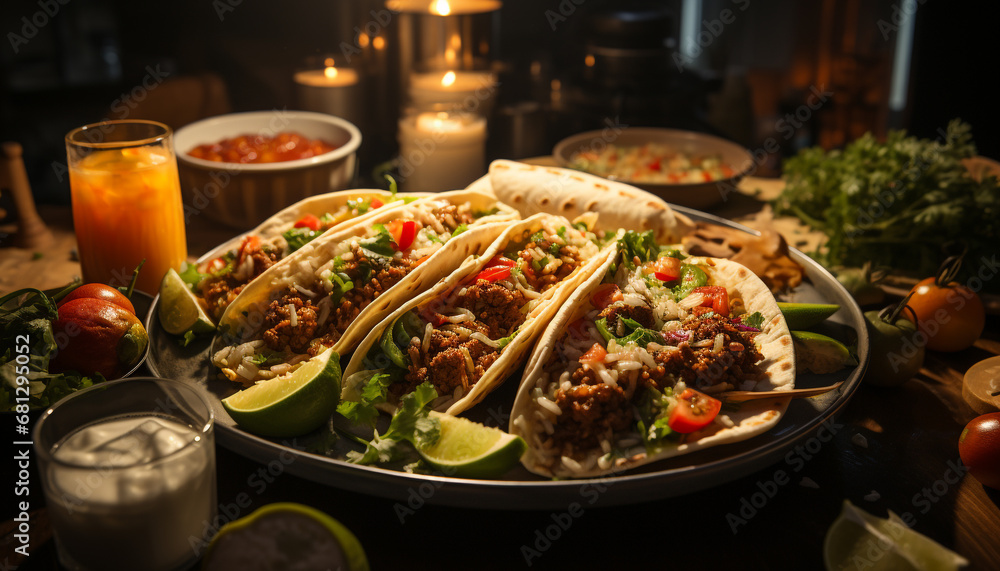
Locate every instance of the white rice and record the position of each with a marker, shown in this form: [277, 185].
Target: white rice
[549, 405]
[304, 291]
[469, 366]
[425, 344]
[483, 339]
[571, 464]
[717, 344]
[293, 317]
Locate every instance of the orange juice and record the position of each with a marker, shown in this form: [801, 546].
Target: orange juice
[126, 208]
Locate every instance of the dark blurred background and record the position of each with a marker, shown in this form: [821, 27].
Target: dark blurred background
[797, 73]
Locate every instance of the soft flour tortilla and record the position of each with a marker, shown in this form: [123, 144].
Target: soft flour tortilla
[750, 419]
[570, 193]
[317, 205]
[513, 354]
[244, 318]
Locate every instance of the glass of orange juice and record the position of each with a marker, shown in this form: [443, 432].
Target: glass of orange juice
[126, 202]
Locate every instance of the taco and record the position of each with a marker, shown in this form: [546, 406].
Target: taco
[471, 331]
[572, 193]
[623, 376]
[231, 266]
[334, 289]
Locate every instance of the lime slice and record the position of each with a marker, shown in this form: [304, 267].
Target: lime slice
[806, 315]
[859, 540]
[179, 310]
[467, 449]
[819, 353]
[285, 536]
[292, 404]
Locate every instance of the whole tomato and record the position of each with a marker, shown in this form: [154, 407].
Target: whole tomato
[979, 447]
[99, 291]
[948, 313]
[97, 336]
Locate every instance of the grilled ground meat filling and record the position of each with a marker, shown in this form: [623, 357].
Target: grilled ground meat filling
[497, 313]
[591, 410]
[280, 333]
[640, 313]
[566, 261]
[220, 291]
[595, 408]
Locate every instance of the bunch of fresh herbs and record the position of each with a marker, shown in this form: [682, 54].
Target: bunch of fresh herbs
[903, 204]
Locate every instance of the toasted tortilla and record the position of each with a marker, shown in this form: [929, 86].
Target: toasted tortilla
[570, 193]
[359, 370]
[244, 318]
[750, 419]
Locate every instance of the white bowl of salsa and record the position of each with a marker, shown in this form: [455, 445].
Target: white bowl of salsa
[240, 168]
[683, 167]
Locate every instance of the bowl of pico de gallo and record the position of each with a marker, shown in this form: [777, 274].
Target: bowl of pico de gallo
[682, 167]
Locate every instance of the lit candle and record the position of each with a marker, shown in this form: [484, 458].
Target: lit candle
[441, 150]
[471, 90]
[332, 90]
[444, 7]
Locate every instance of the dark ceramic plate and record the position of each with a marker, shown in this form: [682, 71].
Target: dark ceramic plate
[519, 489]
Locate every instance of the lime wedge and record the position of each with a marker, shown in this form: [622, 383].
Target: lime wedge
[292, 404]
[179, 310]
[806, 315]
[285, 536]
[859, 540]
[819, 353]
[467, 449]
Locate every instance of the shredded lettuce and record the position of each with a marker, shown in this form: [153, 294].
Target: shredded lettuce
[298, 237]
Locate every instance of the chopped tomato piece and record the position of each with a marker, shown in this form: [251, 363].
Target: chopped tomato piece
[422, 260]
[605, 295]
[249, 244]
[694, 411]
[707, 176]
[655, 165]
[309, 221]
[595, 354]
[716, 297]
[213, 265]
[376, 203]
[433, 317]
[403, 232]
[665, 269]
[493, 274]
[726, 171]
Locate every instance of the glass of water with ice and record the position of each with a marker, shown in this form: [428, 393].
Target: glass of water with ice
[128, 469]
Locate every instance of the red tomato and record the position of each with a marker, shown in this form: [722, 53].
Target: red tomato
[716, 297]
[693, 412]
[655, 165]
[605, 295]
[99, 291]
[595, 354]
[665, 269]
[952, 316]
[493, 274]
[101, 337]
[403, 232]
[377, 203]
[979, 447]
[309, 221]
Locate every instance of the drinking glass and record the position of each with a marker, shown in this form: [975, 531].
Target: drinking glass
[128, 473]
[126, 201]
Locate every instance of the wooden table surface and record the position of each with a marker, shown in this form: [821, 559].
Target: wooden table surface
[775, 518]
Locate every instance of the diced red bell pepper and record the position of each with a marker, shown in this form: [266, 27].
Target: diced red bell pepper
[500, 261]
[403, 232]
[694, 411]
[605, 295]
[309, 221]
[376, 203]
[493, 274]
[715, 297]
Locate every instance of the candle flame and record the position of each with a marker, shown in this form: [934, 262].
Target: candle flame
[441, 8]
[378, 43]
[330, 72]
[589, 60]
[363, 40]
[328, 62]
[448, 79]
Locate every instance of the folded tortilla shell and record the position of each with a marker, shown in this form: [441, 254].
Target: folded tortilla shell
[750, 419]
[514, 352]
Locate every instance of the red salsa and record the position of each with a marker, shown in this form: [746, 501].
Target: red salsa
[284, 146]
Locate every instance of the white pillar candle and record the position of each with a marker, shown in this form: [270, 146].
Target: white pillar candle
[441, 150]
[470, 90]
[333, 90]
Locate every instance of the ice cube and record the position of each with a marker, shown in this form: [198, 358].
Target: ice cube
[142, 443]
